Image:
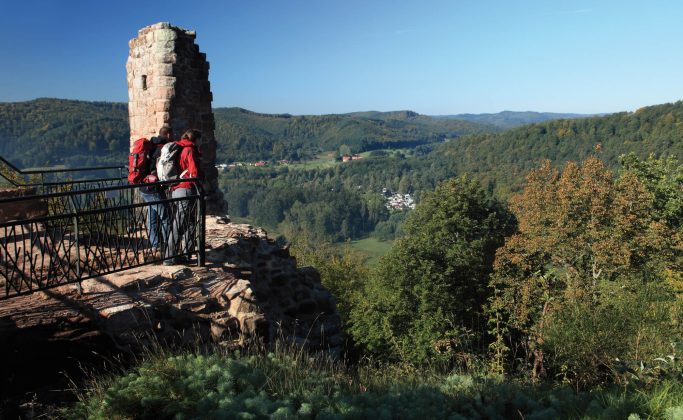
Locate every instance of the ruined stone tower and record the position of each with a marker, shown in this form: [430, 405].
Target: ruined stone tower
[168, 83]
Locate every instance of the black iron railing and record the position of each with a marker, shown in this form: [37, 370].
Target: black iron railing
[89, 233]
[47, 180]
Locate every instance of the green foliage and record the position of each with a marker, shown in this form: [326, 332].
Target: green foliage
[511, 119]
[392, 228]
[291, 384]
[504, 159]
[246, 135]
[499, 161]
[663, 179]
[47, 132]
[302, 201]
[342, 271]
[425, 297]
[581, 342]
[8, 177]
[594, 255]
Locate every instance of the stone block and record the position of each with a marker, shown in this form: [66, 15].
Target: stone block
[161, 120]
[167, 57]
[118, 319]
[159, 25]
[165, 92]
[138, 83]
[165, 35]
[162, 106]
[237, 289]
[163, 69]
[166, 81]
[241, 306]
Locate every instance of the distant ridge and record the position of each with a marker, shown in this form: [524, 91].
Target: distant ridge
[50, 131]
[511, 119]
[244, 135]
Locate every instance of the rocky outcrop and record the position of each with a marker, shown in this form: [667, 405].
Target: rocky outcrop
[251, 288]
[22, 209]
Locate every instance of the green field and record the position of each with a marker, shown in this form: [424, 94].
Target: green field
[373, 248]
[322, 161]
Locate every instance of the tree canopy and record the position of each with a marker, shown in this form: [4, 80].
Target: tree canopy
[427, 293]
[593, 241]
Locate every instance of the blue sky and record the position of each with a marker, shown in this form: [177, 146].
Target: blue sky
[316, 57]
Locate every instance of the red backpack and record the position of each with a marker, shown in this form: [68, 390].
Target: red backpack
[138, 160]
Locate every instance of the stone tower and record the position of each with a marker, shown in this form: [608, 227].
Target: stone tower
[168, 83]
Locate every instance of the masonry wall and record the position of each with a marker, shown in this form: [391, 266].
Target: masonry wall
[168, 83]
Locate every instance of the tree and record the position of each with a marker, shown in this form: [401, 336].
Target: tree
[426, 295]
[585, 240]
[344, 150]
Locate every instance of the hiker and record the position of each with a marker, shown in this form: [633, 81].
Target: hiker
[183, 229]
[144, 161]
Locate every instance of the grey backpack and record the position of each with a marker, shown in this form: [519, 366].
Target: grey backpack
[167, 164]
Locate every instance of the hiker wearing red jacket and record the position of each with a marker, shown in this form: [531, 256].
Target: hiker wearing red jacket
[182, 241]
[188, 161]
[158, 220]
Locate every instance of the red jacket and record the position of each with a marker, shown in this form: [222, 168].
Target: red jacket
[188, 163]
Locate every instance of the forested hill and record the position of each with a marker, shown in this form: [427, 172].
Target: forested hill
[246, 135]
[332, 202]
[55, 131]
[505, 158]
[77, 133]
[501, 161]
[511, 119]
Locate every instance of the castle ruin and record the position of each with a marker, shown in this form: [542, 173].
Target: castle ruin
[168, 83]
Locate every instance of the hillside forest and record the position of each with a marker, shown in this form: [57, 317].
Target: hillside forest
[304, 184]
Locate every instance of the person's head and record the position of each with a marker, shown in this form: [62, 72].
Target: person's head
[192, 135]
[166, 132]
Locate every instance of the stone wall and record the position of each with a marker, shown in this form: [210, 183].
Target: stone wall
[23, 209]
[168, 83]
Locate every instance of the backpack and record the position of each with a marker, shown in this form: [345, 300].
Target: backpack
[167, 164]
[138, 161]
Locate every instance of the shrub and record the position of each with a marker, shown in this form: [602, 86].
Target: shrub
[291, 384]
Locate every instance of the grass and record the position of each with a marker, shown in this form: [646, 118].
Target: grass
[326, 160]
[322, 161]
[373, 248]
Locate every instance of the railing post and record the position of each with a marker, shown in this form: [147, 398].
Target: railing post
[201, 231]
[78, 257]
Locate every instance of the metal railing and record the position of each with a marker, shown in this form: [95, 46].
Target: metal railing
[98, 231]
[46, 182]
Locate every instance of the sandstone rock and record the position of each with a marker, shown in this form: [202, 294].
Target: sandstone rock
[22, 209]
[273, 298]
